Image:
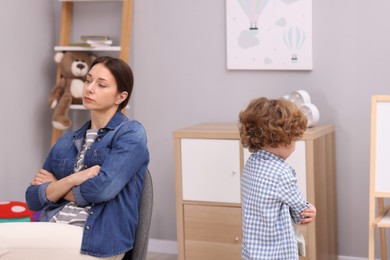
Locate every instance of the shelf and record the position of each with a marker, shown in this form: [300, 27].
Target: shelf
[81, 107]
[90, 0]
[78, 48]
[77, 107]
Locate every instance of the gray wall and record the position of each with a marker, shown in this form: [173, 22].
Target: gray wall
[26, 76]
[179, 61]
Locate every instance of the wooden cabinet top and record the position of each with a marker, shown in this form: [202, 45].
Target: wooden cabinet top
[230, 131]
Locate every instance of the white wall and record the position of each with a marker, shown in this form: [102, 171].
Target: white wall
[179, 60]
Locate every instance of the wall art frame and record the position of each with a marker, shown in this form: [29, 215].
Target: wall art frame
[269, 34]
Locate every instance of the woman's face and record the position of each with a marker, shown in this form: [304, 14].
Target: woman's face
[100, 90]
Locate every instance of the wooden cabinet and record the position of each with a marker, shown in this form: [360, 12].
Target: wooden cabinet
[209, 160]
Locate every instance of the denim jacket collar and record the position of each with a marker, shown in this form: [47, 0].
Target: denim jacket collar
[78, 137]
[116, 120]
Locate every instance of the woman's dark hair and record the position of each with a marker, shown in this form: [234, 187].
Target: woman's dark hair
[269, 123]
[122, 73]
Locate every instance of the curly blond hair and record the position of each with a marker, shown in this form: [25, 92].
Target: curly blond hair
[269, 123]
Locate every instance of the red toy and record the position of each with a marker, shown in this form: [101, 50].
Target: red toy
[15, 211]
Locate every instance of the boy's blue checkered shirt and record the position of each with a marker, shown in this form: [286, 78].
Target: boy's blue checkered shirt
[270, 198]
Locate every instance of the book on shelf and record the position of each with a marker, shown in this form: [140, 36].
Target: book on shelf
[99, 42]
[95, 37]
[80, 44]
[96, 40]
[89, 44]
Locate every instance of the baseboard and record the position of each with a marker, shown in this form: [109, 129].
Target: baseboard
[170, 247]
[162, 246]
[343, 257]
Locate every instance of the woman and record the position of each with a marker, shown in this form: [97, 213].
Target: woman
[91, 180]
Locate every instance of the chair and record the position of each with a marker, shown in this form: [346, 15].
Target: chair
[141, 241]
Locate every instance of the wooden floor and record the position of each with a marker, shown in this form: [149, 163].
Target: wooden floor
[160, 256]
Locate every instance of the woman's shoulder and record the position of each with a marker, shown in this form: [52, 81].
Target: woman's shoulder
[132, 125]
[131, 128]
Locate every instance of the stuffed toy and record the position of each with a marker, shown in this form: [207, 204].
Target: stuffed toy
[15, 211]
[74, 66]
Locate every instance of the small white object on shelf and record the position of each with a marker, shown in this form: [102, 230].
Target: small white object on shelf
[302, 99]
[312, 114]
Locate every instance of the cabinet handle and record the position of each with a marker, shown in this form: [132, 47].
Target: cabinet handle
[234, 172]
[236, 239]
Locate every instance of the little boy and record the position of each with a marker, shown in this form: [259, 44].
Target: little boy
[270, 196]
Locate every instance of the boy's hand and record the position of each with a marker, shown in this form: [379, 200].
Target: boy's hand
[308, 215]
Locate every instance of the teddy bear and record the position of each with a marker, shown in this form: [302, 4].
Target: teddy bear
[73, 66]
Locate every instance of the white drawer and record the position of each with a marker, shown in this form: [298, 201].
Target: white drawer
[211, 170]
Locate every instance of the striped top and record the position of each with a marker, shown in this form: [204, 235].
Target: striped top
[71, 213]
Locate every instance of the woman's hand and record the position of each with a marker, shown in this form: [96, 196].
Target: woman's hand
[62, 188]
[80, 177]
[43, 176]
[308, 215]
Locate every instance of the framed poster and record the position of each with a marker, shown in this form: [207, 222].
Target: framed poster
[269, 34]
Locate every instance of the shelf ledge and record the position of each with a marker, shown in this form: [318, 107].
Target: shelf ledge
[78, 48]
[90, 0]
[81, 107]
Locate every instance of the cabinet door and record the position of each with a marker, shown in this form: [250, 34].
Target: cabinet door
[212, 232]
[211, 170]
[297, 161]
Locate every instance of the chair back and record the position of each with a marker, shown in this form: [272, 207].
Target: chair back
[141, 241]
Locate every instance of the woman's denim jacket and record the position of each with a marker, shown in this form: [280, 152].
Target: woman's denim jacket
[114, 194]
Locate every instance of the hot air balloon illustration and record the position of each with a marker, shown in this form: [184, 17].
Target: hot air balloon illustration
[294, 39]
[253, 9]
